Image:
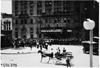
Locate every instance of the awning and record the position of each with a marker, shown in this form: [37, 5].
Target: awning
[89, 42]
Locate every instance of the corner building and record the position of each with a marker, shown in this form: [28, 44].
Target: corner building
[54, 19]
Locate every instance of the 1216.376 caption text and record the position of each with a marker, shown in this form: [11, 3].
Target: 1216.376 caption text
[8, 64]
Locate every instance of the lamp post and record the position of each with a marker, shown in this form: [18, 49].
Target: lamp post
[89, 25]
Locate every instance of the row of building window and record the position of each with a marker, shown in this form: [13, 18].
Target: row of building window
[39, 4]
[24, 21]
[49, 11]
[48, 20]
[56, 3]
[31, 29]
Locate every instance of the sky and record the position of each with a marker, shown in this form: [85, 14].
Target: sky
[6, 6]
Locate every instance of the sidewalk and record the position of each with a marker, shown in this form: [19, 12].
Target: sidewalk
[21, 50]
[25, 50]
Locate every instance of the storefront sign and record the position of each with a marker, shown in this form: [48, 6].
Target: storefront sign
[57, 30]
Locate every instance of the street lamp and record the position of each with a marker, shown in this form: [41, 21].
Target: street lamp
[89, 25]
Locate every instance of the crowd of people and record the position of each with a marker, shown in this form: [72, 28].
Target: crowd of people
[16, 43]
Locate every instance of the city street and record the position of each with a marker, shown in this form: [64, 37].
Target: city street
[62, 31]
[33, 59]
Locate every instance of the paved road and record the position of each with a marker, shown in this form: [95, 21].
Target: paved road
[33, 59]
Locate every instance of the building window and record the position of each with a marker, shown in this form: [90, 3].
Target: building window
[31, 32]
[57, 9]
[25, 21]
[50, 20]
[25, 12]
[66, 3]
[9, 28]
[77, 19]
[16, 29]
[6, 25]
[57, 3]
[16, 21]
[65, 20]
[16, 7]
[59, 20]
[21, 21]
[31, 21]
[22, 12]
[39, 11]
[48, 3]
[65, 10]
[48, 11]
[68, 20]
[39, 20]
[31, 4]
[9, 25]
[31, 29]
[55, 20]
[39, 4]
[16, 34]
[23, 5]
[16, 13]
[46, 20]
[31, 12]
[77, 9]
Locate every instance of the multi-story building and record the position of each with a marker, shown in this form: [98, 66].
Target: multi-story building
[48, 18]
[6, 24]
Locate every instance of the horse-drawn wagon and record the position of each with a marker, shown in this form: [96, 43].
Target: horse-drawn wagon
[59, 57]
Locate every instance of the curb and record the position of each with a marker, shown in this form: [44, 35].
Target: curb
[19, 53]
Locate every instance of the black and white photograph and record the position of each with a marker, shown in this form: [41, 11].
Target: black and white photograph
[49, 33]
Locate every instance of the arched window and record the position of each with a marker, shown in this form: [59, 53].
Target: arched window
[24, 32]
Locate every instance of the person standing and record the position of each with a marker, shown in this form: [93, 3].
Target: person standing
[68, 62]
[46, 46]
[37, 44]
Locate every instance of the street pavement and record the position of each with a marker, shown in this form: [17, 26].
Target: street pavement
[30, 58]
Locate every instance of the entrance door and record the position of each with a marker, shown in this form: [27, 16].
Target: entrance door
[24, 33]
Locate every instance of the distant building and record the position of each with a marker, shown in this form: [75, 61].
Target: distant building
[48, 19]
[6, 24]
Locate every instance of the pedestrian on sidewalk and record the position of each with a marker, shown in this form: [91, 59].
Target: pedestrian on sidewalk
[46, 46]
[30, 45]
[68, 62]
[37, 44]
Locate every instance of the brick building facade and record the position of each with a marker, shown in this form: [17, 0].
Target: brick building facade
[48, 18]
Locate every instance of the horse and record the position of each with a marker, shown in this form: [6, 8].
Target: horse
[44, 54]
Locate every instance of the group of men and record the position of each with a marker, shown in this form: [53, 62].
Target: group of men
[42, 44]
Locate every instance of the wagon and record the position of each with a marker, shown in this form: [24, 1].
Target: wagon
[62, 56]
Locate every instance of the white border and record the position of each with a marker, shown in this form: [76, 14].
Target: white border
[48, 67]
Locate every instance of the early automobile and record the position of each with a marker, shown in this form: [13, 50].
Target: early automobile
[86, 45]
